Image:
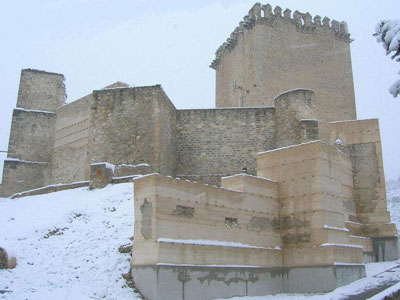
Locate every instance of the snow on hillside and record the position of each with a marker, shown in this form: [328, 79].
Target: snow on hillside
[66, 244]
[393, 195]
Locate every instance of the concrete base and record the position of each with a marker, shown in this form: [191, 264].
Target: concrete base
[167, 282]
[320, 279]
[386, 248]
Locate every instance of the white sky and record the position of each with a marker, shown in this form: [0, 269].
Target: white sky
[97, 42]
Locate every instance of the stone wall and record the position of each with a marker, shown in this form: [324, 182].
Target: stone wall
[269, 53]
[19, 176]
[314, 181]
[295, 118]
[171, 215]
[70, 160]
[28, 164]
[133, 126]
[41, 90]
[165, 134]
[222, 141]
[363, 142]
[30, 148]
[210, 242]
[31, 135]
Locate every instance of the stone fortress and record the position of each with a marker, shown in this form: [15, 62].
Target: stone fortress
[278, 189]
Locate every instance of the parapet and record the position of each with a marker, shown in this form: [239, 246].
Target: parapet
[263, 14]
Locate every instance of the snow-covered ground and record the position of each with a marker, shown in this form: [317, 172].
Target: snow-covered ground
[393, 194]
[67, 245]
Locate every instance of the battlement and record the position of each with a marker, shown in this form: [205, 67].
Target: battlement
[264, 14]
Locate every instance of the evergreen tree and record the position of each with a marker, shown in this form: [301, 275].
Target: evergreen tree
[387, 32]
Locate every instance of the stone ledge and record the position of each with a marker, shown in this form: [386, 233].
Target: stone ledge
[51, 188]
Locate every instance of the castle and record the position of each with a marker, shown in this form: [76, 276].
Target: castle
[279, 188]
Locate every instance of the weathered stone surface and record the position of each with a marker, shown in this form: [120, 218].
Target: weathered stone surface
[40, 90]
[125, 248]
[19, 176]
[295, 118]
[101, 174]
[133, 126]
[32, 131]
[279, 54]
[221, 142]
[147, 215]
[71, 157]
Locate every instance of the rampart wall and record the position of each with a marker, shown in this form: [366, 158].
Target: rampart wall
[128, 126]
[19, 176]
[70, 157]
[222, 142]
[133, 126]
[32, 135]
[163, 205]
[271, 52]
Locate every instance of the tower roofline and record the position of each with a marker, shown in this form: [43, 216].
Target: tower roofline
[263, 14]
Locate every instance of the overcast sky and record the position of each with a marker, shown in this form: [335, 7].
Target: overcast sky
[97, 42]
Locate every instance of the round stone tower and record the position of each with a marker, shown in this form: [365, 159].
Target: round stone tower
[295, 118]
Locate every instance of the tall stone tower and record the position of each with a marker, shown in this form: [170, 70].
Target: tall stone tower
[271, 52]
[30, 150]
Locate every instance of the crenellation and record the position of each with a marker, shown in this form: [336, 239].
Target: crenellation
[278, 12]
[287, 14]
[267, 9]
[256, 11]
[297, 19]
[307, 18]
[344, 29]
[248, 23]
[317, 21]
[263, 15]
[252, 14]
[326, 22]
[335, 26]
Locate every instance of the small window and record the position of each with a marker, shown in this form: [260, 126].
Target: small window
[231, 222]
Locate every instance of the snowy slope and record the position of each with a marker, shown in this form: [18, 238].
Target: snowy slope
[67, 244]
[393, 194]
